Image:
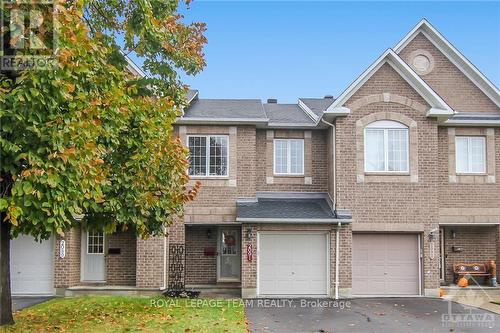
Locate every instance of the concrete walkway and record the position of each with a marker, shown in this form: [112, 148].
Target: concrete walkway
[21, 302]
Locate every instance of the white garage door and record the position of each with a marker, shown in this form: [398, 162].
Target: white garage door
[385, 264]
[31, 266]
[292, 264]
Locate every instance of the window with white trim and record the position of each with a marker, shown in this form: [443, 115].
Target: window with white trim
[386, 147]
[289, 156]
[470, 154]
[208, 155]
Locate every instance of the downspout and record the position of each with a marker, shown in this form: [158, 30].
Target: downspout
[337, 260]
[337, 231]
[165, 244]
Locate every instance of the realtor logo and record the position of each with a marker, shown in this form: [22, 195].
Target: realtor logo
[29, 36]
[473, 316]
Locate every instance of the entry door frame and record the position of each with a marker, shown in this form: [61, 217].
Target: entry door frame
[301, 232]
[84, 253]
[219, 252]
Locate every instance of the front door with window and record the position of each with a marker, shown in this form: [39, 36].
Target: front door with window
[94, 265]
[229, 255]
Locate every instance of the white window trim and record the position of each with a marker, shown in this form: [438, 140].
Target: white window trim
[207, 159]
[387, 125]
[288, 158]
[469, 155]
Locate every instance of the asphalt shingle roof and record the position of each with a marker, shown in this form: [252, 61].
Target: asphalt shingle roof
[285, 209]
[286, 114]
[317, 105]
[226, 108]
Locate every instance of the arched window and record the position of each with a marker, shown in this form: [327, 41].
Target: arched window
[386, 147]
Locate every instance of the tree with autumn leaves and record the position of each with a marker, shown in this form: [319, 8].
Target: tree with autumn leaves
[88, 138]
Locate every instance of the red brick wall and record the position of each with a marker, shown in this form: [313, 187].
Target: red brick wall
[150, 262]
[448, 81]
[478, 244]
[67, 269]
[388, 202]
[121, 267]
[200, 269]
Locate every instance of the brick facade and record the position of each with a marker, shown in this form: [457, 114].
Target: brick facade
[431, 195]
[478, 244]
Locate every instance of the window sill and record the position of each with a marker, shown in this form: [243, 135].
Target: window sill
[470, 178]
[387, 178]
[387, 173]
[210, 177]
[281, 175]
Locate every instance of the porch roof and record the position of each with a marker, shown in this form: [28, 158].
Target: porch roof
[286, 210]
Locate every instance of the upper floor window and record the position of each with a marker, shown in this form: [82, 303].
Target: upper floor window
[289, 156]
[208, 155]
[386, 147]
[470, 154]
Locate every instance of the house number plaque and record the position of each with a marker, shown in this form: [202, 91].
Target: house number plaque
[249, 252]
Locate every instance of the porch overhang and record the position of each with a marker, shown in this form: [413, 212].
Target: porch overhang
[468, 224]
[289, 208]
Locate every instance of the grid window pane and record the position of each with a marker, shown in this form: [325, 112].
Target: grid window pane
[218, 156]
[374, 150]
[297, 156]
[95, 242]
[470, 152]
[197, 155]
[289, 156]
[397, 146]
[478, 154]
[462, 147]
[208, 155]
[280, 156]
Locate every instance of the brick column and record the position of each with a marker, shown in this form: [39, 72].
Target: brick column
[150, 262]
[67, 269]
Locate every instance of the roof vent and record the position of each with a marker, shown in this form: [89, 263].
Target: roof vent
[272, 101]
[328, 96]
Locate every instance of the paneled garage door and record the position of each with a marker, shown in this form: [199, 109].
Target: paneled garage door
[292, 263]
[385, 264]
[31, 266]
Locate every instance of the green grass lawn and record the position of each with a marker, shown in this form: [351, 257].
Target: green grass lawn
[130, 314]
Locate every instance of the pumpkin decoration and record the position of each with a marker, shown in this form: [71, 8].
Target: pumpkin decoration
[463, 282]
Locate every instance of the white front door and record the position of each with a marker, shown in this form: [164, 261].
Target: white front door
[31, 266]
[293, 264]
[93, 260]
[229, 255]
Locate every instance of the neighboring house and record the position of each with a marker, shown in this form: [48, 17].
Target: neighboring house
[377, 192]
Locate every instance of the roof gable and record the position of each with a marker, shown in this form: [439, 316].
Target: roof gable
[438, 105]
[455, 57]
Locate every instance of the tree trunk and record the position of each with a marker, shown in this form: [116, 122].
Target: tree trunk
[5, 296]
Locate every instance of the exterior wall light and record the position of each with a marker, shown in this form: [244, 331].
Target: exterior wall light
[209, 233]
[248, 234]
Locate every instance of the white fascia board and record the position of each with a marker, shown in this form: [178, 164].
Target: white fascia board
[133, 68]
[453, 55]
[470, 122]
[308, 111]
[405, 71]
[194, 97]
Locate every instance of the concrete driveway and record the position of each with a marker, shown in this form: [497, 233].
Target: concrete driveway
[396, 315]
[21, 302]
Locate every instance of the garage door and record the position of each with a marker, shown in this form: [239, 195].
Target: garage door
[385, 264]
[31, 267]
[292, 264]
